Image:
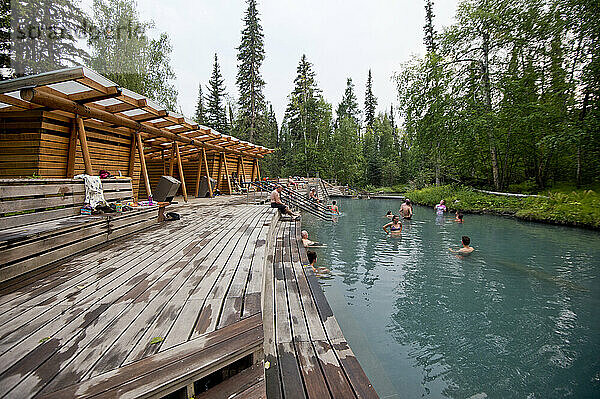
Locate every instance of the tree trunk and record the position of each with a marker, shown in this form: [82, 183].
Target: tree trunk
[487, 90]
[579, 141]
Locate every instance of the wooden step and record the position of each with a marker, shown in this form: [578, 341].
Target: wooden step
[249, 383]
[177, 368]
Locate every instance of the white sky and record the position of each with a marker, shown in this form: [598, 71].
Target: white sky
[340, 38]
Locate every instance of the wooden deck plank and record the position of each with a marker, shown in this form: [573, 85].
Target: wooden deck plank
[239, 385]
[316, 387]
[289, 369]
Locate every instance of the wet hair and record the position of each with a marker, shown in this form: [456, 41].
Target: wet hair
[312, 256]
[389, 213]
[304, 233]
[396, 217]
[466, 240]
[407, 201]
[334, 202]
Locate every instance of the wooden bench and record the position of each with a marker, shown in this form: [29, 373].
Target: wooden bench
[180, 369]
[40, 221]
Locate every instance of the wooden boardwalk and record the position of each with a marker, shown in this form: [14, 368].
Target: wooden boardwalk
[307, 353]
[153, 297]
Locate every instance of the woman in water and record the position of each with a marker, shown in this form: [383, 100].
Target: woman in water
[440, 208]
[395, 226]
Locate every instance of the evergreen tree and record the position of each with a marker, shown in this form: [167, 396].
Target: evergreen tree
[43, 35]
[349, 104]
[216, 116]
[429, 38]
[250, 56]
[370, 103]
[199, 116]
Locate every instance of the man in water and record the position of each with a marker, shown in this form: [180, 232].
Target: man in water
[308, 243]
[276, 203]
[406, 209]
[312, 259]
[466, 249]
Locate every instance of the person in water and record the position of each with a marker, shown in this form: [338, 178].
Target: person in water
[389, 215]
[334, 208]
[440, 208]
[312, 260]
[466, 249]
[406, 209]
[395, 226]
[276, 203]
[308, 243]
[459, 217]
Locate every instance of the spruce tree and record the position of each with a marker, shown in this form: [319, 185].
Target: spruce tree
[348, 107]
[199, 116]
[216, 117]
[370, 102]
[429, 38]
[251, 54]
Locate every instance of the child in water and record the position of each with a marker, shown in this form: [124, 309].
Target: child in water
[459, 217]
[312, 259]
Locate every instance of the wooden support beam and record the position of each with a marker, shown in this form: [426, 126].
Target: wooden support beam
[220, 169]
[172, 159]
[87, 160]
[140, 146]
[180, 167]
[237, 170]
[210, 190]
[198, 176]
[162, 155]
[243, 168]
[227, 174]
[253, 175]
[257, 168]
[72, 150]
[131, 168]
[40, 97]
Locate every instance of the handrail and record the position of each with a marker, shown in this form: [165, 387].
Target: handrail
[297, 201]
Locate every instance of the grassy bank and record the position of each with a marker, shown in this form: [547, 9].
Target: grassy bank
[577, 208]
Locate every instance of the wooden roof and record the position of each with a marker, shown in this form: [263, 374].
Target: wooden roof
[84, 86]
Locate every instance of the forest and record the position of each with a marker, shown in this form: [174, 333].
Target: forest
[507, 98]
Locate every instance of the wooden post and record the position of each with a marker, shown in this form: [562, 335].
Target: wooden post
[131, 169]
[243, 169]
[227, 174]
[72, 150]
[257, 169]
[87, 161]
[253, 176]
[198, 175]
[210, 190]
[172, 159]
[162, 155]
[140, 147]
[237, 171]
[219, 173]
[180, 168]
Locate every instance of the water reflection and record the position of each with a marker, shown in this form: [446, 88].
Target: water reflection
[518, 318]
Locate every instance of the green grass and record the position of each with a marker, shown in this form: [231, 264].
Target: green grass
[567, 206]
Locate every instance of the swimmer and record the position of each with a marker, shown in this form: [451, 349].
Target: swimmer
[466, 249]
[441, 208]
[395, 226]
[459, 217]
[308, 243]
[406, 209]
[334, 208]
[389, 215]
[312, 259]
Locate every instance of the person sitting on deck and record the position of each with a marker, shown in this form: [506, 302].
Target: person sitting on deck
[466, 249]
[308, 243]
[395, 226]
[312, 195]
[459, 217]
[334, 208]
[276, 203]
[312, 259]
[406, 209]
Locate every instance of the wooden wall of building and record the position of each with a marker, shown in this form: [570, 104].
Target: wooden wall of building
[36, 143]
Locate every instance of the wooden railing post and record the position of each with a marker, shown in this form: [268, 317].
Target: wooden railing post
[227, 174]
[210, 190]
[72, 150]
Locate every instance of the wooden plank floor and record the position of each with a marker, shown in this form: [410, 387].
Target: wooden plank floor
[134, 298]
[306, 351]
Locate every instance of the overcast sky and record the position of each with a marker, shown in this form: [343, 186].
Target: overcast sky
[340, 38]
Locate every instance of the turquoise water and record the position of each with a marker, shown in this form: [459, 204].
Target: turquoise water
[519, 318]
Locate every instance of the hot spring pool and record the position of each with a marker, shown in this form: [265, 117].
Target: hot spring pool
[519, 318]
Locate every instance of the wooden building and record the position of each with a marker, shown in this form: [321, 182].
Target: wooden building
[63, 123]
